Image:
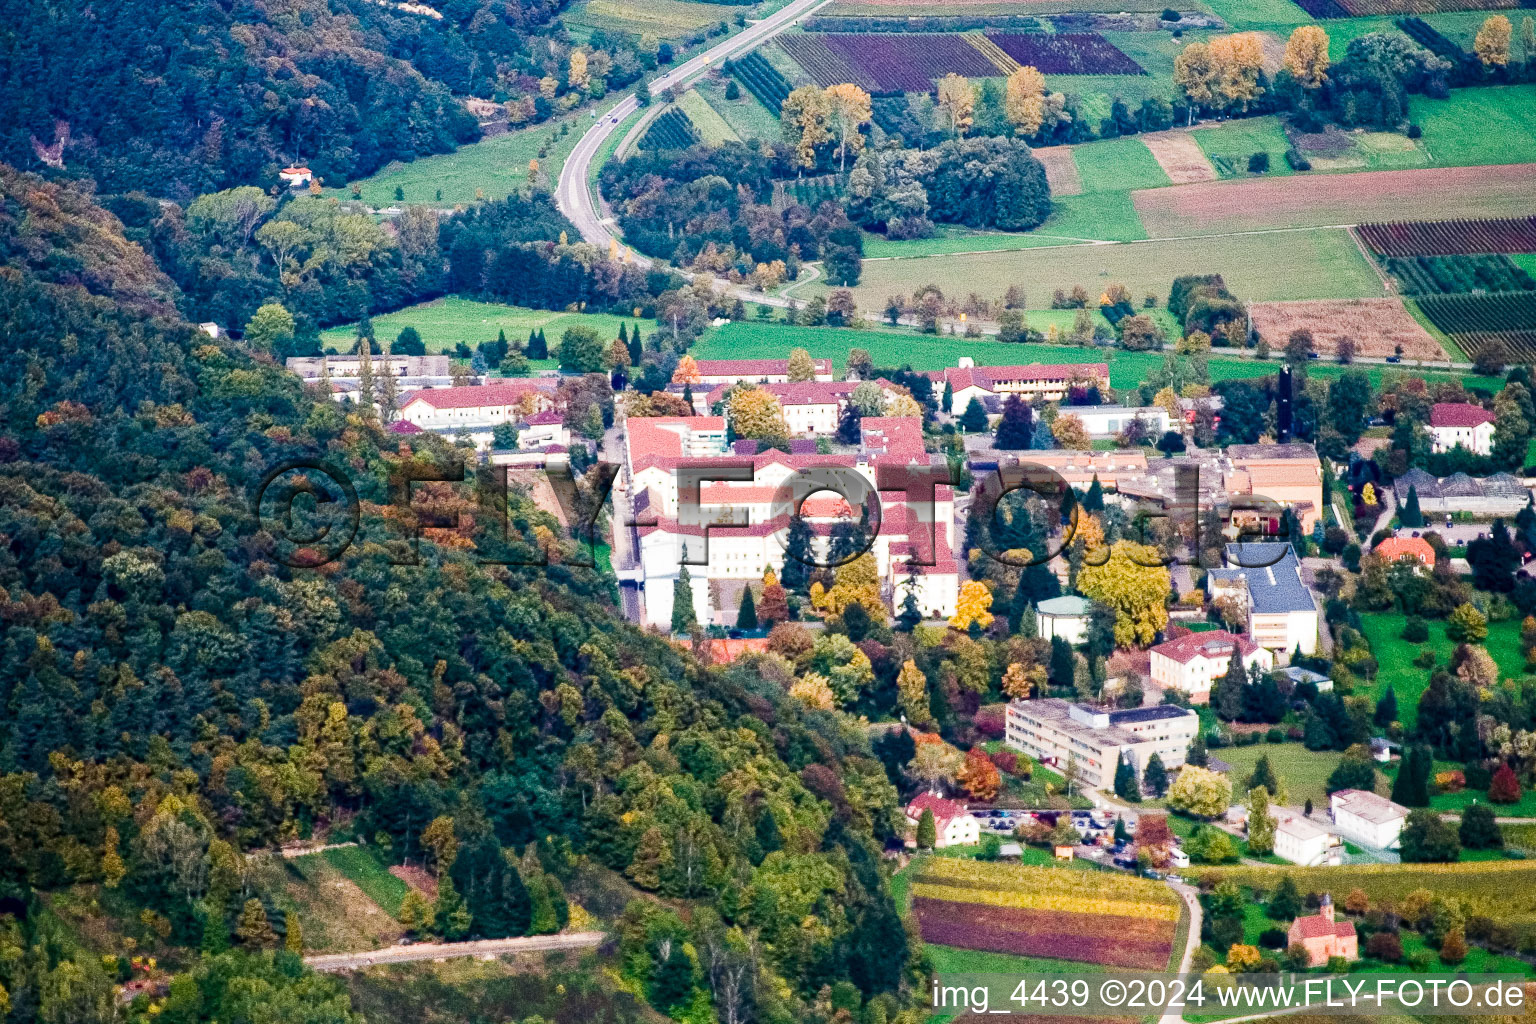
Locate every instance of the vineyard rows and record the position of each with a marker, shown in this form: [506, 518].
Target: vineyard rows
[888, 63]
[1437, 275]
[1371, 8]
[762, 80]
[1505, 322]
[1451, 237]
[671, 130]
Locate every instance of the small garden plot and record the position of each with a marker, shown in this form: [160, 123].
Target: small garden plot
[1087, 916]
[1451, 237]
[1377, 326]
[1180, 157]
[1335, 150]
[1067, 53]
[1060, 170]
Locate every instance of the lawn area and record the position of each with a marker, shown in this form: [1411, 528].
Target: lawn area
[747, 117]
[1394, 655]
[1304, 772]
[1248, 13]
[1456, 802]
[1230, 143]
[900, 347]
[365, 871]
[443, 323]
[665, 19]
[1484, 125]
[1309, 264]
[1110, 216]
[334, 912]
[949, 240]
[1117, 164]
[492, 168]
[711, 126]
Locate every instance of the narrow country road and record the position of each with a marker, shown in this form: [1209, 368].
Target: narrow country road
[572, 195]
[443, 950]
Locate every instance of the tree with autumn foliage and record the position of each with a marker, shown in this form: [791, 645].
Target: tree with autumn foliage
[848, 108]
[1024, 100]
[756, 413]
[978, 776]
[972, 606]
[774, 607]
[912, 694]
[804, 117]
[957, 99]
[1019, 683]
[1306, 56]
[1134, 582]
[687, 371]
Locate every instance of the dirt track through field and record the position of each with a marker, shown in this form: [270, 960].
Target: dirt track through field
[1316, 200]
[1180, 157]
[1060, 170]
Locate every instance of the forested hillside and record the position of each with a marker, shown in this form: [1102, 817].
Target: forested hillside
[183, 97]
[175, 697]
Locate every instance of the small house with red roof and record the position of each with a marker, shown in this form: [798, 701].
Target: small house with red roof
[1394, 549]
[953, 822]
[1191, 663]
[755, 371]
[1323, 936]
[1046, 381]
[296, 177]
[1461, 423]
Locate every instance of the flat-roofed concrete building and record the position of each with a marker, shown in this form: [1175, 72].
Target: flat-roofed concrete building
[1058, 732]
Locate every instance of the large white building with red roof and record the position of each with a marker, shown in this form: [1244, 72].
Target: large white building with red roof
[754, 371]
[732, 528]
[954, 824]
[1048, 382]
[1192, 662]
[1461, 423]
[480, 406]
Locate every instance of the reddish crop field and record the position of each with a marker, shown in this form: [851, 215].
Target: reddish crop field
[1368, 8]
[1066, 53]
[1451, 237]
[899, 62]
[826, 68]
[1110, 940]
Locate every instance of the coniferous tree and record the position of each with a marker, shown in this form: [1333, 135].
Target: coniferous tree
[974, 420]
[1197, 753]
[1093, 501]
[947, 402]
[1127, 785]
[927, 830]
[1156, 778]
[1480, 828]
[1264, 775]
[1285, 904]
[538, 346]
[799, 557]
[1386, 709]
[746, 615]
[683, 618]
[1063, 663]
[1230, 691]
[1015, 428]
[1410, 514]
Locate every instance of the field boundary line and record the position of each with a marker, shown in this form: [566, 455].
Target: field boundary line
[1079, 243]
[1386, 282]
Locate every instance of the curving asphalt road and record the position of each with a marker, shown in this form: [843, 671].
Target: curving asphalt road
[572, 195]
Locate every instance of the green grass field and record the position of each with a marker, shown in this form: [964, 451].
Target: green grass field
[1252, 13]
[712, 128]
[1117, 164]
[665, 19]
[1395, 656]
[935, 352]
[1304, 772]
[748, 118]
[492, 168]
[1107, 216]
[1230, 143]
[1504, 889]
[948, 240]
[1310, 264]
[443, 323]
[368, 874]
[1486, 125]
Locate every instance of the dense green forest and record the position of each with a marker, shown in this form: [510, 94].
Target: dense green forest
[176, 697]
[178, 98]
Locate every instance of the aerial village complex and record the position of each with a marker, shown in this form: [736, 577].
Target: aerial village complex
[757, 511]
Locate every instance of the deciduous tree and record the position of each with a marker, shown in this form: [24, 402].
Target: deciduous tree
[957, 99]
[849, 110]
[1492, 42]
[1024, 100]
[1134, 582]
[1306, 56]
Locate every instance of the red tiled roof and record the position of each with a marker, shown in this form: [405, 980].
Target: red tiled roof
[811, 392]
[477, 396]
[987, 377]
[1316, 926]
[753, 367]
[404, 427]
[1213, 643]
[548, 416]
[1394, 548]
[943, 810]
[1458, 414]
